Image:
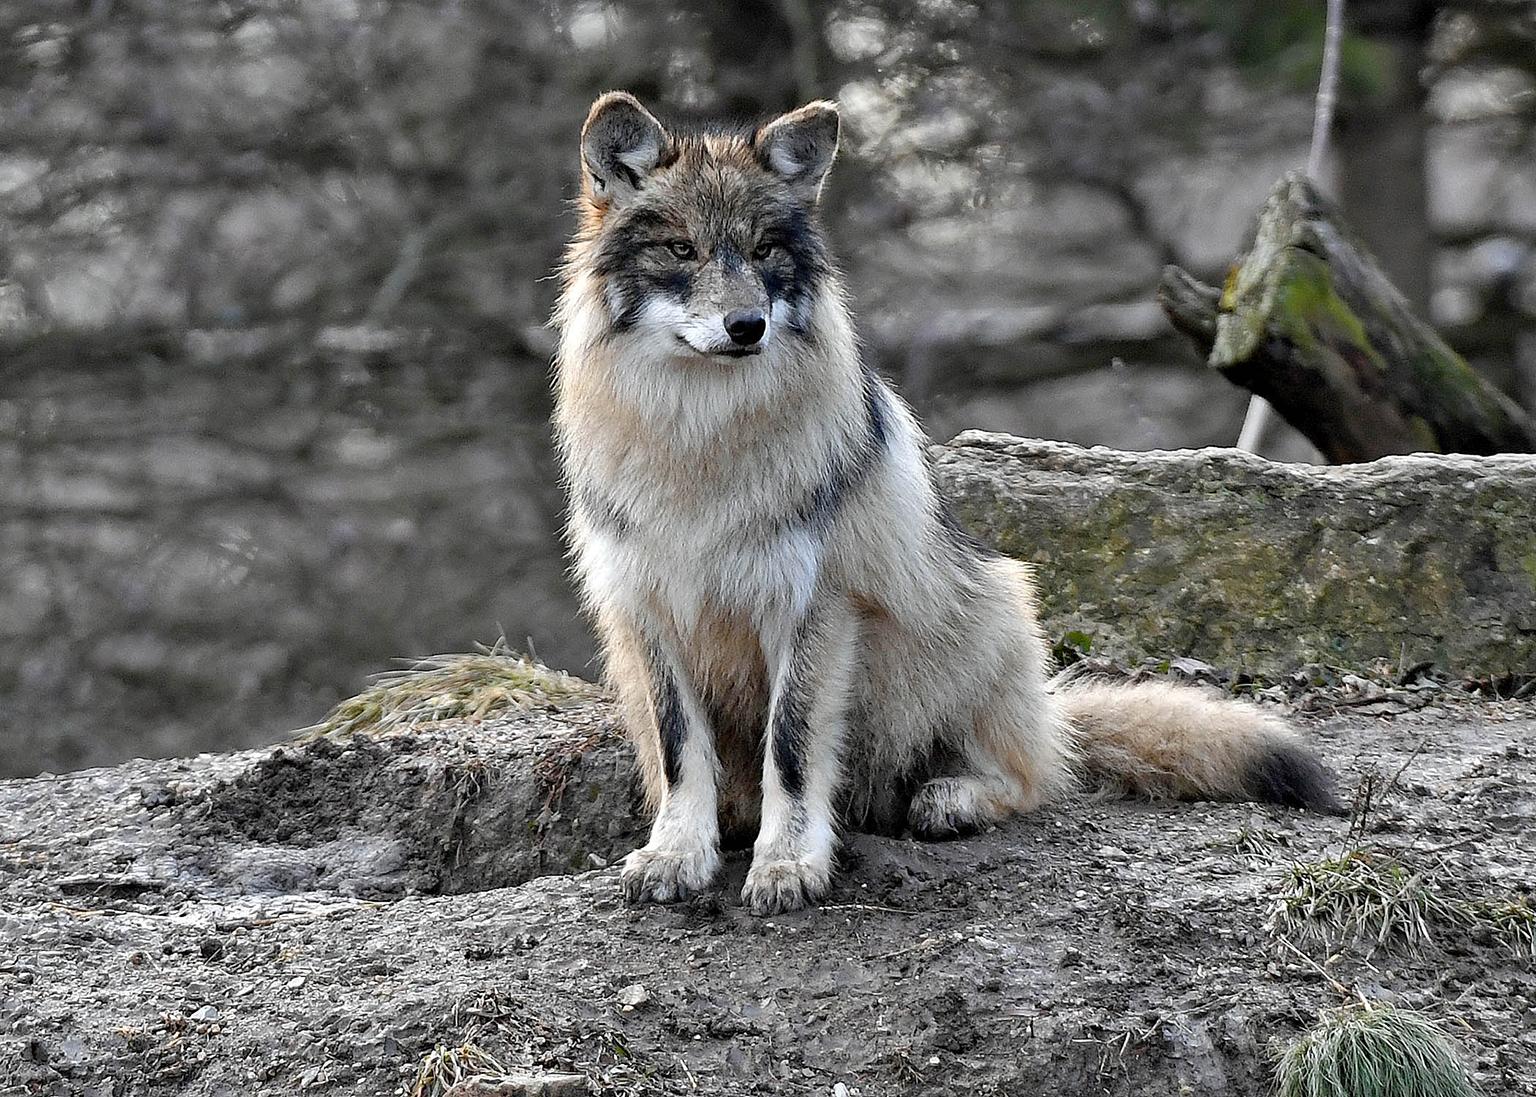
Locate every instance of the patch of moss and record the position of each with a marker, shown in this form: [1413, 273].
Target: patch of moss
[1260, 568]
[1308, 311]
[1463, 396]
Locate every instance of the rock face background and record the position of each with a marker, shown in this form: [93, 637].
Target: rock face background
[1261, 566]
[206, 558]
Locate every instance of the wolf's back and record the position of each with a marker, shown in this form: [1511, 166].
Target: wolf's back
[1163, 740]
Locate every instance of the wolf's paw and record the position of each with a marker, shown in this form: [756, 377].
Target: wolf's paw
[666, 875]
[944, 808]
[774, 887]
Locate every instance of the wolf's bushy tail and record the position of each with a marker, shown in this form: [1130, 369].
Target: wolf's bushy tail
[1159, 739]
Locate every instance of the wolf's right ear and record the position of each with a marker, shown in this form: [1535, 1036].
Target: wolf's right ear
[799, 146]
[621, 143]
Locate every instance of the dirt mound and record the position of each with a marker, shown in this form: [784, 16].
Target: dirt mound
[457, 807]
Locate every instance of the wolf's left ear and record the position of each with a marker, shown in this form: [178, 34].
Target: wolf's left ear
[799, 146]
[621, 143]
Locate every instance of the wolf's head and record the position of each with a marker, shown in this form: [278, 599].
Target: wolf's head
[705, 245]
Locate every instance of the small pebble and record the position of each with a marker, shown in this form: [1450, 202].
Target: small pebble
[632, 997]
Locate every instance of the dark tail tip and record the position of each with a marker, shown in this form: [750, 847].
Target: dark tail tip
[1292, 775]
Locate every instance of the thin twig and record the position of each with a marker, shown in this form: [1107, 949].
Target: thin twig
[871, 907]
[1255, 420]
[1398, 776]
[1327, 90]
[1338, 987]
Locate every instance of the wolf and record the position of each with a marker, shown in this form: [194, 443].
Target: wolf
[801, 638]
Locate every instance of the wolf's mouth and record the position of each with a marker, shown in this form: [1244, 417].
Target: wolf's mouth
[728, 352]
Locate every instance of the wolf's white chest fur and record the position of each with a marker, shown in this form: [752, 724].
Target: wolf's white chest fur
[685, 507]
[689, 564]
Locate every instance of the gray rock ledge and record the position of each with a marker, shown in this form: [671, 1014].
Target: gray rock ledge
[1261, 566]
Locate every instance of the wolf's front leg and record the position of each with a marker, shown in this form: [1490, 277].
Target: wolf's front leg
[802, 759]
[683, 854]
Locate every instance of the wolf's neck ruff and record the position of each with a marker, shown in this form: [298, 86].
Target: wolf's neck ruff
[798, 635]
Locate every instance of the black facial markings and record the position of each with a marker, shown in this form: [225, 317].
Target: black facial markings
[678, 283]
[635, 265]
[852, 466]
[791, 725]
[670, 723]
[799, 262]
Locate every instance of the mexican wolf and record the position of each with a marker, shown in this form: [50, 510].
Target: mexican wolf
[800, 637]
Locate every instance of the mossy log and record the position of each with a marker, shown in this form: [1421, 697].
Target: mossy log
[1309, 322]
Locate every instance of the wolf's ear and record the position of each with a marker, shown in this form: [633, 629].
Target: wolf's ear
[799, 146]
[621, 143]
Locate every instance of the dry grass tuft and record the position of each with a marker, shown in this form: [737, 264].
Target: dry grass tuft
[1510, 920]
[1366, 894]
[1361, 894]
[1372, 1050]
[445, 687]
[444, 1067]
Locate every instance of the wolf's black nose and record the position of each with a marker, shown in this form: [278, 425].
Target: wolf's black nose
[745, 326]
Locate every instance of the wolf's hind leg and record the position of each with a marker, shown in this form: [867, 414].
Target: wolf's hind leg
[683, 854]
[951, 807]
[1017, 756]
[792, 859]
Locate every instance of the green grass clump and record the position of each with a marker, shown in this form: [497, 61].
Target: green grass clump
[1361, 894]
[1372, 1050]
[1365, 894]
[444, 1067]
[445, 687]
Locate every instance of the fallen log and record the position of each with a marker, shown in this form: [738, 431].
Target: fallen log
[1309, 322]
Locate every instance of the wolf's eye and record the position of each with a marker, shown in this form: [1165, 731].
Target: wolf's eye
[683, 249]
[764, 249]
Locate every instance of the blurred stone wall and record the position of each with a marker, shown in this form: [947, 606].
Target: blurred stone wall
[205, 547]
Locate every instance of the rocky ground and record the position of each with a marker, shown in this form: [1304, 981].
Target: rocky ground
[320, 916]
